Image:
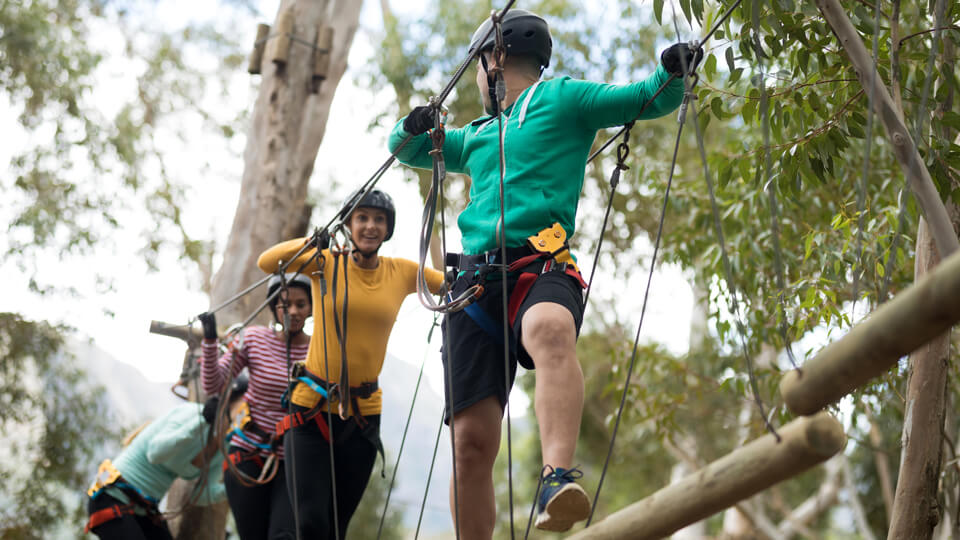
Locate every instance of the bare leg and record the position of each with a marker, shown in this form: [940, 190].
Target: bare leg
[550, 336]
[478, 440]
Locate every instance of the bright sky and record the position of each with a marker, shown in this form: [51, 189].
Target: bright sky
[349, 154]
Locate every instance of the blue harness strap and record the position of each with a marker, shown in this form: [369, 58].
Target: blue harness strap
[285, 399]
[487, 324]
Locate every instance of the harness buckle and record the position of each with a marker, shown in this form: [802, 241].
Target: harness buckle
[107, 474]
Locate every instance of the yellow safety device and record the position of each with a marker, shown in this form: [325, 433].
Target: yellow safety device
[107, 474]
[553, 240]
[241, 416]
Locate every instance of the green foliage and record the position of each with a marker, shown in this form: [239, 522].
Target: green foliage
[80, 168]
[52, 421]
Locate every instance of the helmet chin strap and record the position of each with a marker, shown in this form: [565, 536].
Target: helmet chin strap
[491, 87]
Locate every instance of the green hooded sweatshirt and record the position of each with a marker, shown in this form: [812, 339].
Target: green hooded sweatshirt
[547, 132]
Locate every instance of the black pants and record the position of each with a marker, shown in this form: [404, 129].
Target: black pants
[260, 511]
[355, 453]
[126, 527]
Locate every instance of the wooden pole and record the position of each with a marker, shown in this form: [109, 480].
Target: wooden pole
[746, 471]
[915, 316]
[256, 55]
[278, 47]
[916, 509]
[903, 146]
[186, 333]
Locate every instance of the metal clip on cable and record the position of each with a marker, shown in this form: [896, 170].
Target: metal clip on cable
[341, 241]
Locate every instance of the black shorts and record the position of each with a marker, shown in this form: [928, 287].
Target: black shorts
[478, 367]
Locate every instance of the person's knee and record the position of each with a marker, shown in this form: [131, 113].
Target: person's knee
[478, 434]
[549, 334]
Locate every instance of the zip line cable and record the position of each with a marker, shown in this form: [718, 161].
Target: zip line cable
[500, 91]
[291, 450]
[329, 406]
[448, 383]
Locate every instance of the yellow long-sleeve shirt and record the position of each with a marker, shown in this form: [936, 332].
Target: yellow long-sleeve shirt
[374, 299]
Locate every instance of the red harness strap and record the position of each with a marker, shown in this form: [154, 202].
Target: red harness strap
[526, 279]
[298, 419]
[110, 513]
[240, 456]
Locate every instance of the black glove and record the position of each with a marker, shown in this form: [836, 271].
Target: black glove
[320, 240]
[209, 322]
[210, 409]
[420, 120]
[679, 55]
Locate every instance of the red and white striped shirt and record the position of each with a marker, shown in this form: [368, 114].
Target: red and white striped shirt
[265, 357]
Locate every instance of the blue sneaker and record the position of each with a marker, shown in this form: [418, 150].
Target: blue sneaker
[562, 502]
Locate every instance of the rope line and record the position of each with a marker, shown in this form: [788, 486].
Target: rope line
[290, 451]
[426, 490]
[688, 97]
[500, 89]
[406, 427]
[643, 310]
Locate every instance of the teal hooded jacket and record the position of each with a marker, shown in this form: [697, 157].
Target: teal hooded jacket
[163, 452]
[547, 135]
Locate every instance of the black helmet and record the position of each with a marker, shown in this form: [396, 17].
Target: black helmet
[239, 386]
[372, 199]
[292, 280]
[523, 33]
[237, 389]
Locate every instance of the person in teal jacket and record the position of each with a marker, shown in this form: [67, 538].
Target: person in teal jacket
[125, 495]
[548, 129]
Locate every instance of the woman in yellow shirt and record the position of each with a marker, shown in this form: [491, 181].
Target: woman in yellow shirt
[375, 288]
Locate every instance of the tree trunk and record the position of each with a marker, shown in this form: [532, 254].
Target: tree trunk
[915, 506]
[287, 125]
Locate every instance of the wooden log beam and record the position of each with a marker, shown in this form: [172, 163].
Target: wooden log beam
[746, 471]
[914, 317]
[904, 148]
[179, 331]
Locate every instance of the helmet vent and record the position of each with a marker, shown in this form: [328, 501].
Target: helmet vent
[508, 31]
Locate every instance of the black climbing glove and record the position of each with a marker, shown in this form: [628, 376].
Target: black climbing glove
[420, 120]
[679, 55]
[209, 322]
[210, 409]
[320, 240]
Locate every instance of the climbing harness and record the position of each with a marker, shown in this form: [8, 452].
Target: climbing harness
[109, 478]
[328, 393]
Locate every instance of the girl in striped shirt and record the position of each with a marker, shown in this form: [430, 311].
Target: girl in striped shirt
[261, 510]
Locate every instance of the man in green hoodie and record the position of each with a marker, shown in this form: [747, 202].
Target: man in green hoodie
[548, 129]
